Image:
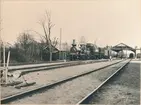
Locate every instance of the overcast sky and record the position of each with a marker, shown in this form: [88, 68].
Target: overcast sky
[107, 21]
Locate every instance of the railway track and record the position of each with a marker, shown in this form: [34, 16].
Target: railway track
[38, 89]
[86, 99]
[28, 69]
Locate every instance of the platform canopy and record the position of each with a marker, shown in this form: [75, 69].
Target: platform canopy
[121, 47]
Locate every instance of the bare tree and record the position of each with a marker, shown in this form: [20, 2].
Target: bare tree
[26, 44]
[54, 42]
[47, 25]
[25, 40]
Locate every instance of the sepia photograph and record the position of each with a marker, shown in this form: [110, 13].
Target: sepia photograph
[70, 52]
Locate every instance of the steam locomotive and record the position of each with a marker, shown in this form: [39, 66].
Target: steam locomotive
[86, 52]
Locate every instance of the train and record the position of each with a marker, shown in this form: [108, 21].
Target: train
[86, 52]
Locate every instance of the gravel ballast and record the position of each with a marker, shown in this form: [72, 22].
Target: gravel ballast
[46, 77]
[72, 91]
[123, 89]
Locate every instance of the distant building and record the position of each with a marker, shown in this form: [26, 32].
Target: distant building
[139, 55]
[62, 52]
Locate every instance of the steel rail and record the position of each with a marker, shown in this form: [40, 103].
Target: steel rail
[37, 66]
[57, 66]
[45, 65]
[41, 88]
[86, 99]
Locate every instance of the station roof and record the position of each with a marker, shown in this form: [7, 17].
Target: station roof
[122, 46]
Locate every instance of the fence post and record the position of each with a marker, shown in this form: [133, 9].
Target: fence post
[7, 66]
